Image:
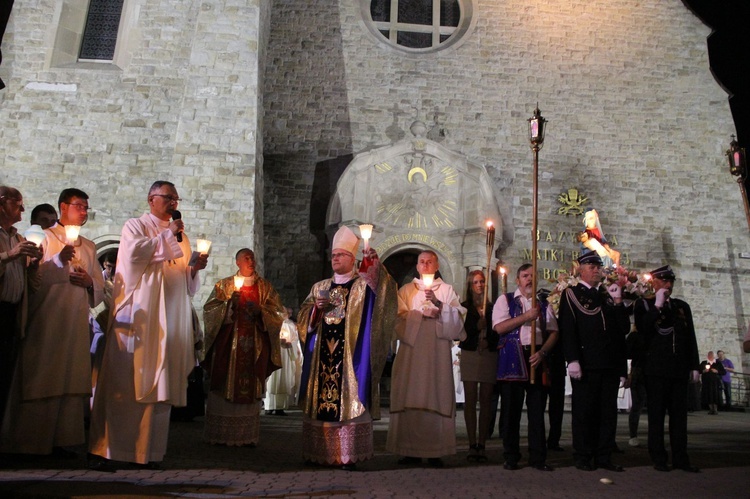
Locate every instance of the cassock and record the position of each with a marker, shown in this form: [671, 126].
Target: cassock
[344, 357]
[53, 374]
[423, 405]
[149, 348]
[242, 350]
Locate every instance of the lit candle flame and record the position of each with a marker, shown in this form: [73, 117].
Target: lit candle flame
[238, 282]
[203, 245]
[366, 231]
[427, 280]
[35, 234]
[71, 233]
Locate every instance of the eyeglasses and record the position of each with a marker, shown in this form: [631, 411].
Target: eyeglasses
[79, 207]
[339, 255]
[168, 198]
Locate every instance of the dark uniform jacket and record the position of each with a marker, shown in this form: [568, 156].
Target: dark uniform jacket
[593, 329]
[669, 335]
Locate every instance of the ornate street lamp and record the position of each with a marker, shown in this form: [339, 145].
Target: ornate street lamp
[536, 139]
[738, 167]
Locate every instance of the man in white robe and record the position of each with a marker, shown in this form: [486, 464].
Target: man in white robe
[53, 377]
[282, 387]
[423, 404]
[149, 350]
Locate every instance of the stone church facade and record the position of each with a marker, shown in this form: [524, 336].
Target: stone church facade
[279, 120]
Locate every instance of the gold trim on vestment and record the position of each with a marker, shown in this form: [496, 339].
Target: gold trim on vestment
[382, 330]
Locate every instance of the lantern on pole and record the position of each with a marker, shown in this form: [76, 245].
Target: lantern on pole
[738, 167]
[536, 140]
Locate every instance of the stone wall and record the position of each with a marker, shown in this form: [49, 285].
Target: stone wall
[636, 123]
[254, 109]
[183, 105]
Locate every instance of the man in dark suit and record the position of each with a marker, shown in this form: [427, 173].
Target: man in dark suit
[593, 323]
[670, 362]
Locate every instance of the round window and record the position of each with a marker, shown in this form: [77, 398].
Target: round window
[419, 26]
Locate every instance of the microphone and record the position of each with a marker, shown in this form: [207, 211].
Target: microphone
[176, 215]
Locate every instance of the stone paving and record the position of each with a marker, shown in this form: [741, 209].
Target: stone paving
[719, 445]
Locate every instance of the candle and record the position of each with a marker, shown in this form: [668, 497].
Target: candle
[504, 274]
[238, 282]
[71, 233]
[366, 231]
[35, 234]
[203, 245]
[427, 280]
[284, 334]
[490, 234]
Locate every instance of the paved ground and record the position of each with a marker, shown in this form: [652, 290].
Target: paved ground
[719, 445]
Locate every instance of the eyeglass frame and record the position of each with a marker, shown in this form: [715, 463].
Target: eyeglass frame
[79, 206]
[169, 198]
[18, 202]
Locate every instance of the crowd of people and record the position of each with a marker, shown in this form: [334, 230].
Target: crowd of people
[116, 341]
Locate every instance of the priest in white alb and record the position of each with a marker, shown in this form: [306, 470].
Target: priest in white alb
[423, 403]
[149, 350]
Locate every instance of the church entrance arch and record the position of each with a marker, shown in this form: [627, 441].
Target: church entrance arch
[420, 195]
[402, 264]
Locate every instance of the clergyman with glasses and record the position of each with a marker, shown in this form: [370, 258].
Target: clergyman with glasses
[150, 340]
[54, 371]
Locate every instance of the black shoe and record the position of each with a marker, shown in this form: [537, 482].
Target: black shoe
[435, 462]
[661, 467]
[96, 463]
[584, 467]
[611, 467]
[555, 448]
[511, 466]
[409, 461]
[60, 453]
[543, 467]
[688, 468]
[349, 467]
[280, 412]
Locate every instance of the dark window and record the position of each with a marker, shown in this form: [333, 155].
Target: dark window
[100, 34]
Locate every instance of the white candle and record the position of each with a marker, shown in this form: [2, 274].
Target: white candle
[238, 282]
[427, 280]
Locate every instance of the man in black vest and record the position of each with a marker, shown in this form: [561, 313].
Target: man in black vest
[593, 324]
[670, 363]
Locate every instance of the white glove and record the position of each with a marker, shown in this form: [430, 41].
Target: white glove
[615, 291]
[623, 379]
[695, 376]
[661, 297]
[574, 370]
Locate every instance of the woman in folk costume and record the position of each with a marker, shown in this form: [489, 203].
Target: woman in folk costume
[346, 324]
[242, 349]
